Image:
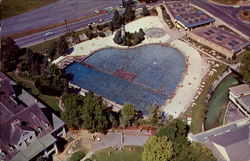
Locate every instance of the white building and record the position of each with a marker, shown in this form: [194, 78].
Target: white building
[240, 96]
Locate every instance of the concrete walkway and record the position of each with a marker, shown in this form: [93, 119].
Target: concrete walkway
[114, 139]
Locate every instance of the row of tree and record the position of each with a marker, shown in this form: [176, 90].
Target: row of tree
[10, 54]
[245, 66]
[171, 144]
[90, 112]
[48, 78]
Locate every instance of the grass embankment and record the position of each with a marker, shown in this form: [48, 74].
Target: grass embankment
[228, 29]
[199, 110]
[110, 154]
[167, 18]
[52, 101]
[227, 2]
[208, 50]
[11, 8]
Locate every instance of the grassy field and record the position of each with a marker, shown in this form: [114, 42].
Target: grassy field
[199, 109]
[119, 155]
[52, 101]
[11, 8]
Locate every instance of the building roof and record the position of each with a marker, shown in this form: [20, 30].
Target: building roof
[222, 38]
[233, 138]
[21, 114]
[240, 90]
[179, 8]
[194, 19]
[34, 148]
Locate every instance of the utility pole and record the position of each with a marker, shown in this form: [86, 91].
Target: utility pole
[66, 25]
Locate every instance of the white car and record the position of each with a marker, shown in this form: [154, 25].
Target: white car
[49, 33]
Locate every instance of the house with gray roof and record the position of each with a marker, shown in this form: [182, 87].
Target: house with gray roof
[240, 96]
[27, 127]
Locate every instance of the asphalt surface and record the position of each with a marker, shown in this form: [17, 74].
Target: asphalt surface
[40, 37]
[53, 13]
[226, 14]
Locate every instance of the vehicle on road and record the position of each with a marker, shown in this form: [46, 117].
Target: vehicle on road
[49, 33]
[236, 6]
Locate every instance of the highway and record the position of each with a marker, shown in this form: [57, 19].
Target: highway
[53, 13]
[40, 37]
[225, 13]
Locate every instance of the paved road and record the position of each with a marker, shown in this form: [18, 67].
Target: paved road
[226, 14]
[53, 13]
[40, 37]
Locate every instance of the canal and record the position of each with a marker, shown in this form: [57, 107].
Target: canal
[218, 101]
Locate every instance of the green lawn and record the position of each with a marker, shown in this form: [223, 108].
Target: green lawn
[41, 47]
[52, 101]
[11, 8]
[119, 155]
[199, 109]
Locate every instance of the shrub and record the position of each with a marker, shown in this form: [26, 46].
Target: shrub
[101, 34]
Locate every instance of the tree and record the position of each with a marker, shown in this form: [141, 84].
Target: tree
[123, 3]
[145, 11]
[129, 14]
[10, 53]
[128, 115]
[90, 34]
[154, 115]
[118, 39]
[176, 131]
[157, 149]
[51, 51]
[117, 20]
[32, 63]
[101, 34]
[52, 82]
[77, 156]
[93, 114]
[196, 152]
[72, 110]
[245, 66]
[62, 46]
[111, 26]
[90, 27]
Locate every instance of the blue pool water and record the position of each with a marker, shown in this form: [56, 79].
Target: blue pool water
[158, 71]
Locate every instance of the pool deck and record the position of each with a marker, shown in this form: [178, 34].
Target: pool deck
[196, 68]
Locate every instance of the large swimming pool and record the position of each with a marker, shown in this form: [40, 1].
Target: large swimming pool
[141, 76]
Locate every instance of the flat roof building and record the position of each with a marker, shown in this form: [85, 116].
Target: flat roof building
[220, 40]
[187, 17]
[27, 128]
[240, 96]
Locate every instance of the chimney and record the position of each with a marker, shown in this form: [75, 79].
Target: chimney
[15, 122]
